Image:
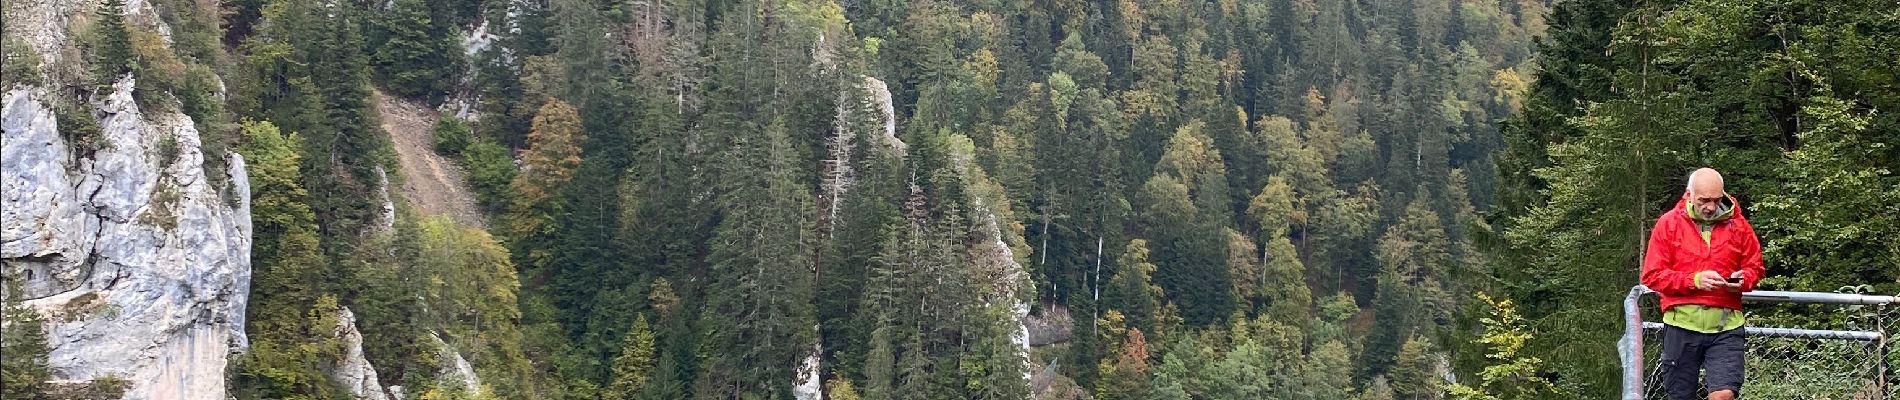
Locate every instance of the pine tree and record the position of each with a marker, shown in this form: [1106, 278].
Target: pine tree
[346, 154]
[289, 268]
[880, 365]
[1329, 376]
[417, 61]
[23, 370]
[759, 304]
[1411, 298]
[1415, 375]
[634, 367]
[1283, 275]
[1188, 250]
[1132, 291]
[1289, 299]
[112, 53]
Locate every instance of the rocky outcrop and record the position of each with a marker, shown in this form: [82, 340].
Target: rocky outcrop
[455, 370]
[865, 120]
[43, 24]
[140, 263]
[354, 371]
[995, 256]
[1053, 325]
[806, 384]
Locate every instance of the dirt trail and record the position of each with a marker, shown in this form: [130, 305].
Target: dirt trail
[433, 184]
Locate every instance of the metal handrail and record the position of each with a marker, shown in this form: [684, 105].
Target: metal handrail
[1630, 347]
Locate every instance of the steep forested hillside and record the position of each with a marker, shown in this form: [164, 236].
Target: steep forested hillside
[776, 198]
[931, 199]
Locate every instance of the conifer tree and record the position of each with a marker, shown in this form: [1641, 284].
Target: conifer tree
[112, 53]
[23, 371]
[634, 367]
[417, 61]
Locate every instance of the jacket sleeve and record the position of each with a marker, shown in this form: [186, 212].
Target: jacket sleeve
[1752, 270]
[1659, 272]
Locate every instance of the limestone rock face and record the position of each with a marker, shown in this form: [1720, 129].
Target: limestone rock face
[140, 263]
[355, 371]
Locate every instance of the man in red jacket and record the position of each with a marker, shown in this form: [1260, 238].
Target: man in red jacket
[1702, 255]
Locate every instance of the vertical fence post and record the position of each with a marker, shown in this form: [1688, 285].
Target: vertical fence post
[1631, 346]
[1882, 381]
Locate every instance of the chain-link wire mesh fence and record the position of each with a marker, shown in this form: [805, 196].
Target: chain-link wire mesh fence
[1801, 345]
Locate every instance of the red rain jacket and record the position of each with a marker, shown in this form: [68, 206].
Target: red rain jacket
[1677, 252]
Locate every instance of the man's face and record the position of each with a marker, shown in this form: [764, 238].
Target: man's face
[1706, 201]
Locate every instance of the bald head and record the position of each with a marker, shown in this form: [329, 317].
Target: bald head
[1705, 191]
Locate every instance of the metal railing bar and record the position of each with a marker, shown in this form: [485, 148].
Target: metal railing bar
[1630, 347]
[1864, 336]
[1770, 296]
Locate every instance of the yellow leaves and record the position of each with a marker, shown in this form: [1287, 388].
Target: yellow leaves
[1191, 155]
[469, 274]
[1132, 19]
[827, 16]
[840, 388]
[550, 161]
[1508, 88]
[983, 68]
[1273, 208]
[1240, 264]
[662, 298]
[1514, 376]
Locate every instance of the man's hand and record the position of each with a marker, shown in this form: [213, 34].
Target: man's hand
[1709, 280]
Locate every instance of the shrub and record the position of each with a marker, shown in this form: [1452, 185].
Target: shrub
[451, 136]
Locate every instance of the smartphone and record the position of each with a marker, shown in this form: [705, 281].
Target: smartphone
[1735, 280]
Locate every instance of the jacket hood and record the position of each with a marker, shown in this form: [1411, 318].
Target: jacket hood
[1728, 209]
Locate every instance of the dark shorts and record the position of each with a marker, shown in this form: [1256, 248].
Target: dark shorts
[1687, 353]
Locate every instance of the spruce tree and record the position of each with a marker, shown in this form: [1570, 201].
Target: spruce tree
[23, 370]
[112, 53]
[759, 302]
[880, 365]
[634, 367]
[417, 61]
[288, 265]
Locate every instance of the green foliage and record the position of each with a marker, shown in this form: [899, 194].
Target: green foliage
[1686, 85]
[490, 171]
[759, 263]
[111, 46]
[1125, 372]
[549, 163]
[23, 372]
[634, 367]
[1245, 157]
[22, 63]
[1513, 376]
[290, 277]
[78, 127]
[1132, 292]
[451, 136]
[1415, 372]
[290, 362]
[468, 290]
[840, 389]
[417, 61]
[1188, 251]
